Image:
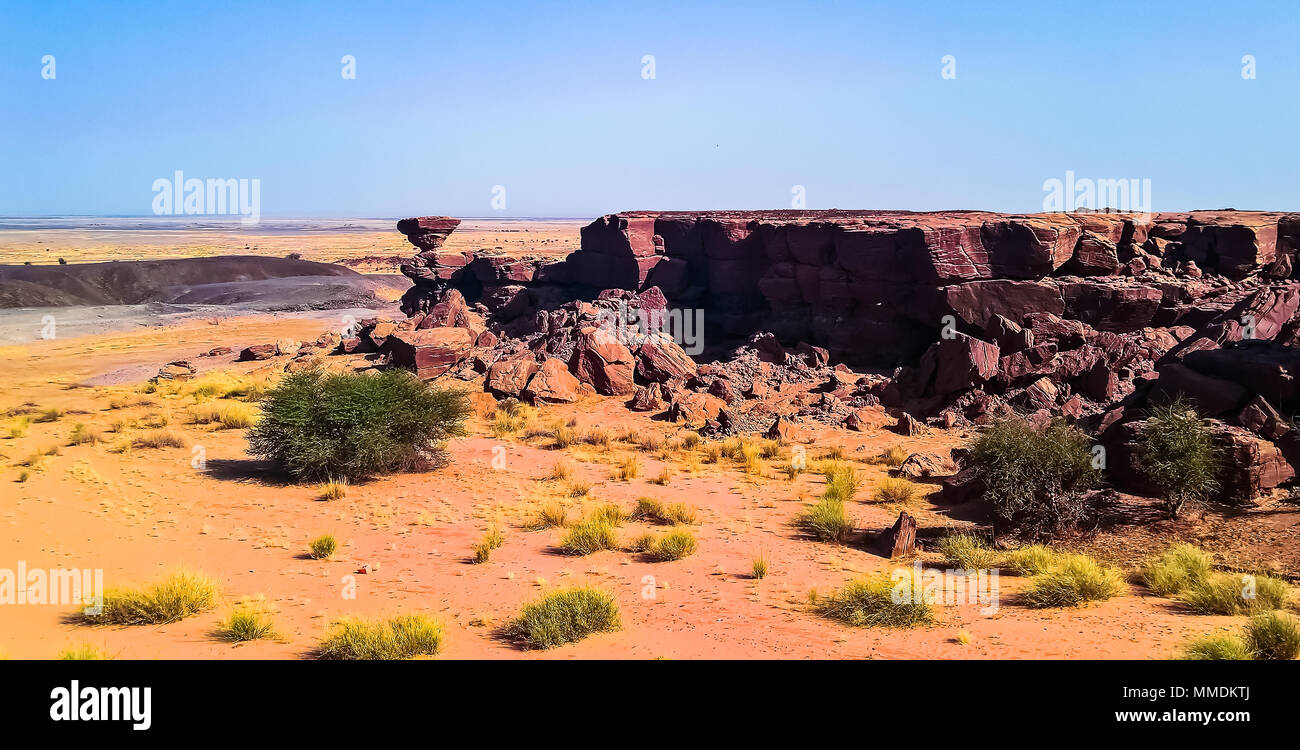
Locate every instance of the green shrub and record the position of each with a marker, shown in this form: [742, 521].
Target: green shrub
[565, 616]
[1179, 568]
[1236, 594]
[1035, 480]
[827, 520]
[968, 552]
[319, 425]
[400, 637]
[878, 602]
[1177, 454]
[176, 597]
[1273, 636]
[590, 536]
[1075, 580]
[1218, 648]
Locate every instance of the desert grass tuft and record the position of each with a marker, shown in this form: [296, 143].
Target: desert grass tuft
[879, 602]
[83, 652]
[758, 569]
[551, 515]
[591, 536]
[491, 540]
[968, 552]
[674, 545]
[1225, 647]
[247, 623]
[1074, 581]
[176, 597]
[561, 471]
[579, 488]
[85, 435]
[1236, 594]
[334, 489]
[842, 481]
[826, 520]
[159, 438]
[400, 637]
[565, 616]
[894, 490]
[323, 547]
[1032, 559]
[893, 456]
[1273, 636]
[1178, 569]
[654, 510]
[628, 469]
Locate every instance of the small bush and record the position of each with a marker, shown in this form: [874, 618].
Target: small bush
[894, 490]
[550, 515]
[651, 509]
[1035, 479]
[491, 540]
[842, 481]
[247, 624]
[335, 489]
[176, 597]
[319, 425]
[643, 543]
[400, 637]
[1218, 648]
[893, 456]
[1177, 454]
[83, 435]
[1234, 594]
[878, 603]
[323, 547]
[52, 414]
[1076, 580]
[565, 616]
[590, 536]
[759, 567]
[1177, 569]
[159, 439]
[628, 469]
[1031, 560]
[827, 521]
[1273, 636]
[609, 513]
[968, 552]
[674, 545]
[83, 652]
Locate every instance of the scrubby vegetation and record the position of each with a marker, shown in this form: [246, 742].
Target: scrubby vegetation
[1225, 647]
[400, 637]
[1178, 569]
[842, 481]
[894, 490]
[1269, 636]
[654, 510]
[1236, 594]
[591, 536]
[827, 520]
[759, 567]
[565, 616]
[877, 602]
[1178, 456]
[674, 545]
[247, 623]
[176, 597]
[334, 489]
[85, 435]
[1035, 480]
[510, 417]
[83, 652]
[1073, 581]
[1031, 560]
[491, 540]
[230, 416]
[159, 438]
[550, 515]
[319, 425]
[968, 552]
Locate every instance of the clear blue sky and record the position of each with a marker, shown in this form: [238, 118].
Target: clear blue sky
[547, 99]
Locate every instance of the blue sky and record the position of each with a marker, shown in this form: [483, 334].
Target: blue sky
[548, 100]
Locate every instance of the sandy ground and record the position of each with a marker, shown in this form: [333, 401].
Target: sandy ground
[140, 513]
[363, 244]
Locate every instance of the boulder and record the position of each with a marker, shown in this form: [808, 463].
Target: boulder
[694, 410]
[660, 359]
[553, 383]
[599, 359]
[431, 351]
[958, 363]
[257, 352]
[926, 466]
[178, 370]
[509, 377]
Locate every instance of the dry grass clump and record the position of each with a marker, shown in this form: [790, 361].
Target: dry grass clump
[826, 520]
[591, 536]
[565, 616]
[650, 442]
[510, 417]
[893, 456]
[400, 637]
[334, 489]
[842, 480]
[551, 515]
[628, 469]
[323, 547]
[1031, 560]
[880, 602]
[159, 439]
[968, 552]
[1178, 569]
[579, 488]
[52, 414]
[691, 441]
[652, 509]
[674, 545]
[176, 597]
[229, 416]
[1074, 581]
[895, 490]
[664, 478]
[1236, 594]
[19, 427]
[491, 540]
[247, 623]
[561, 471]
[562, 436]
[1268, 636]
[598, 437]
[692, 463]
[834, 453]
[84, 435]
[759, 568]
[1225, 647]
[751, 461]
